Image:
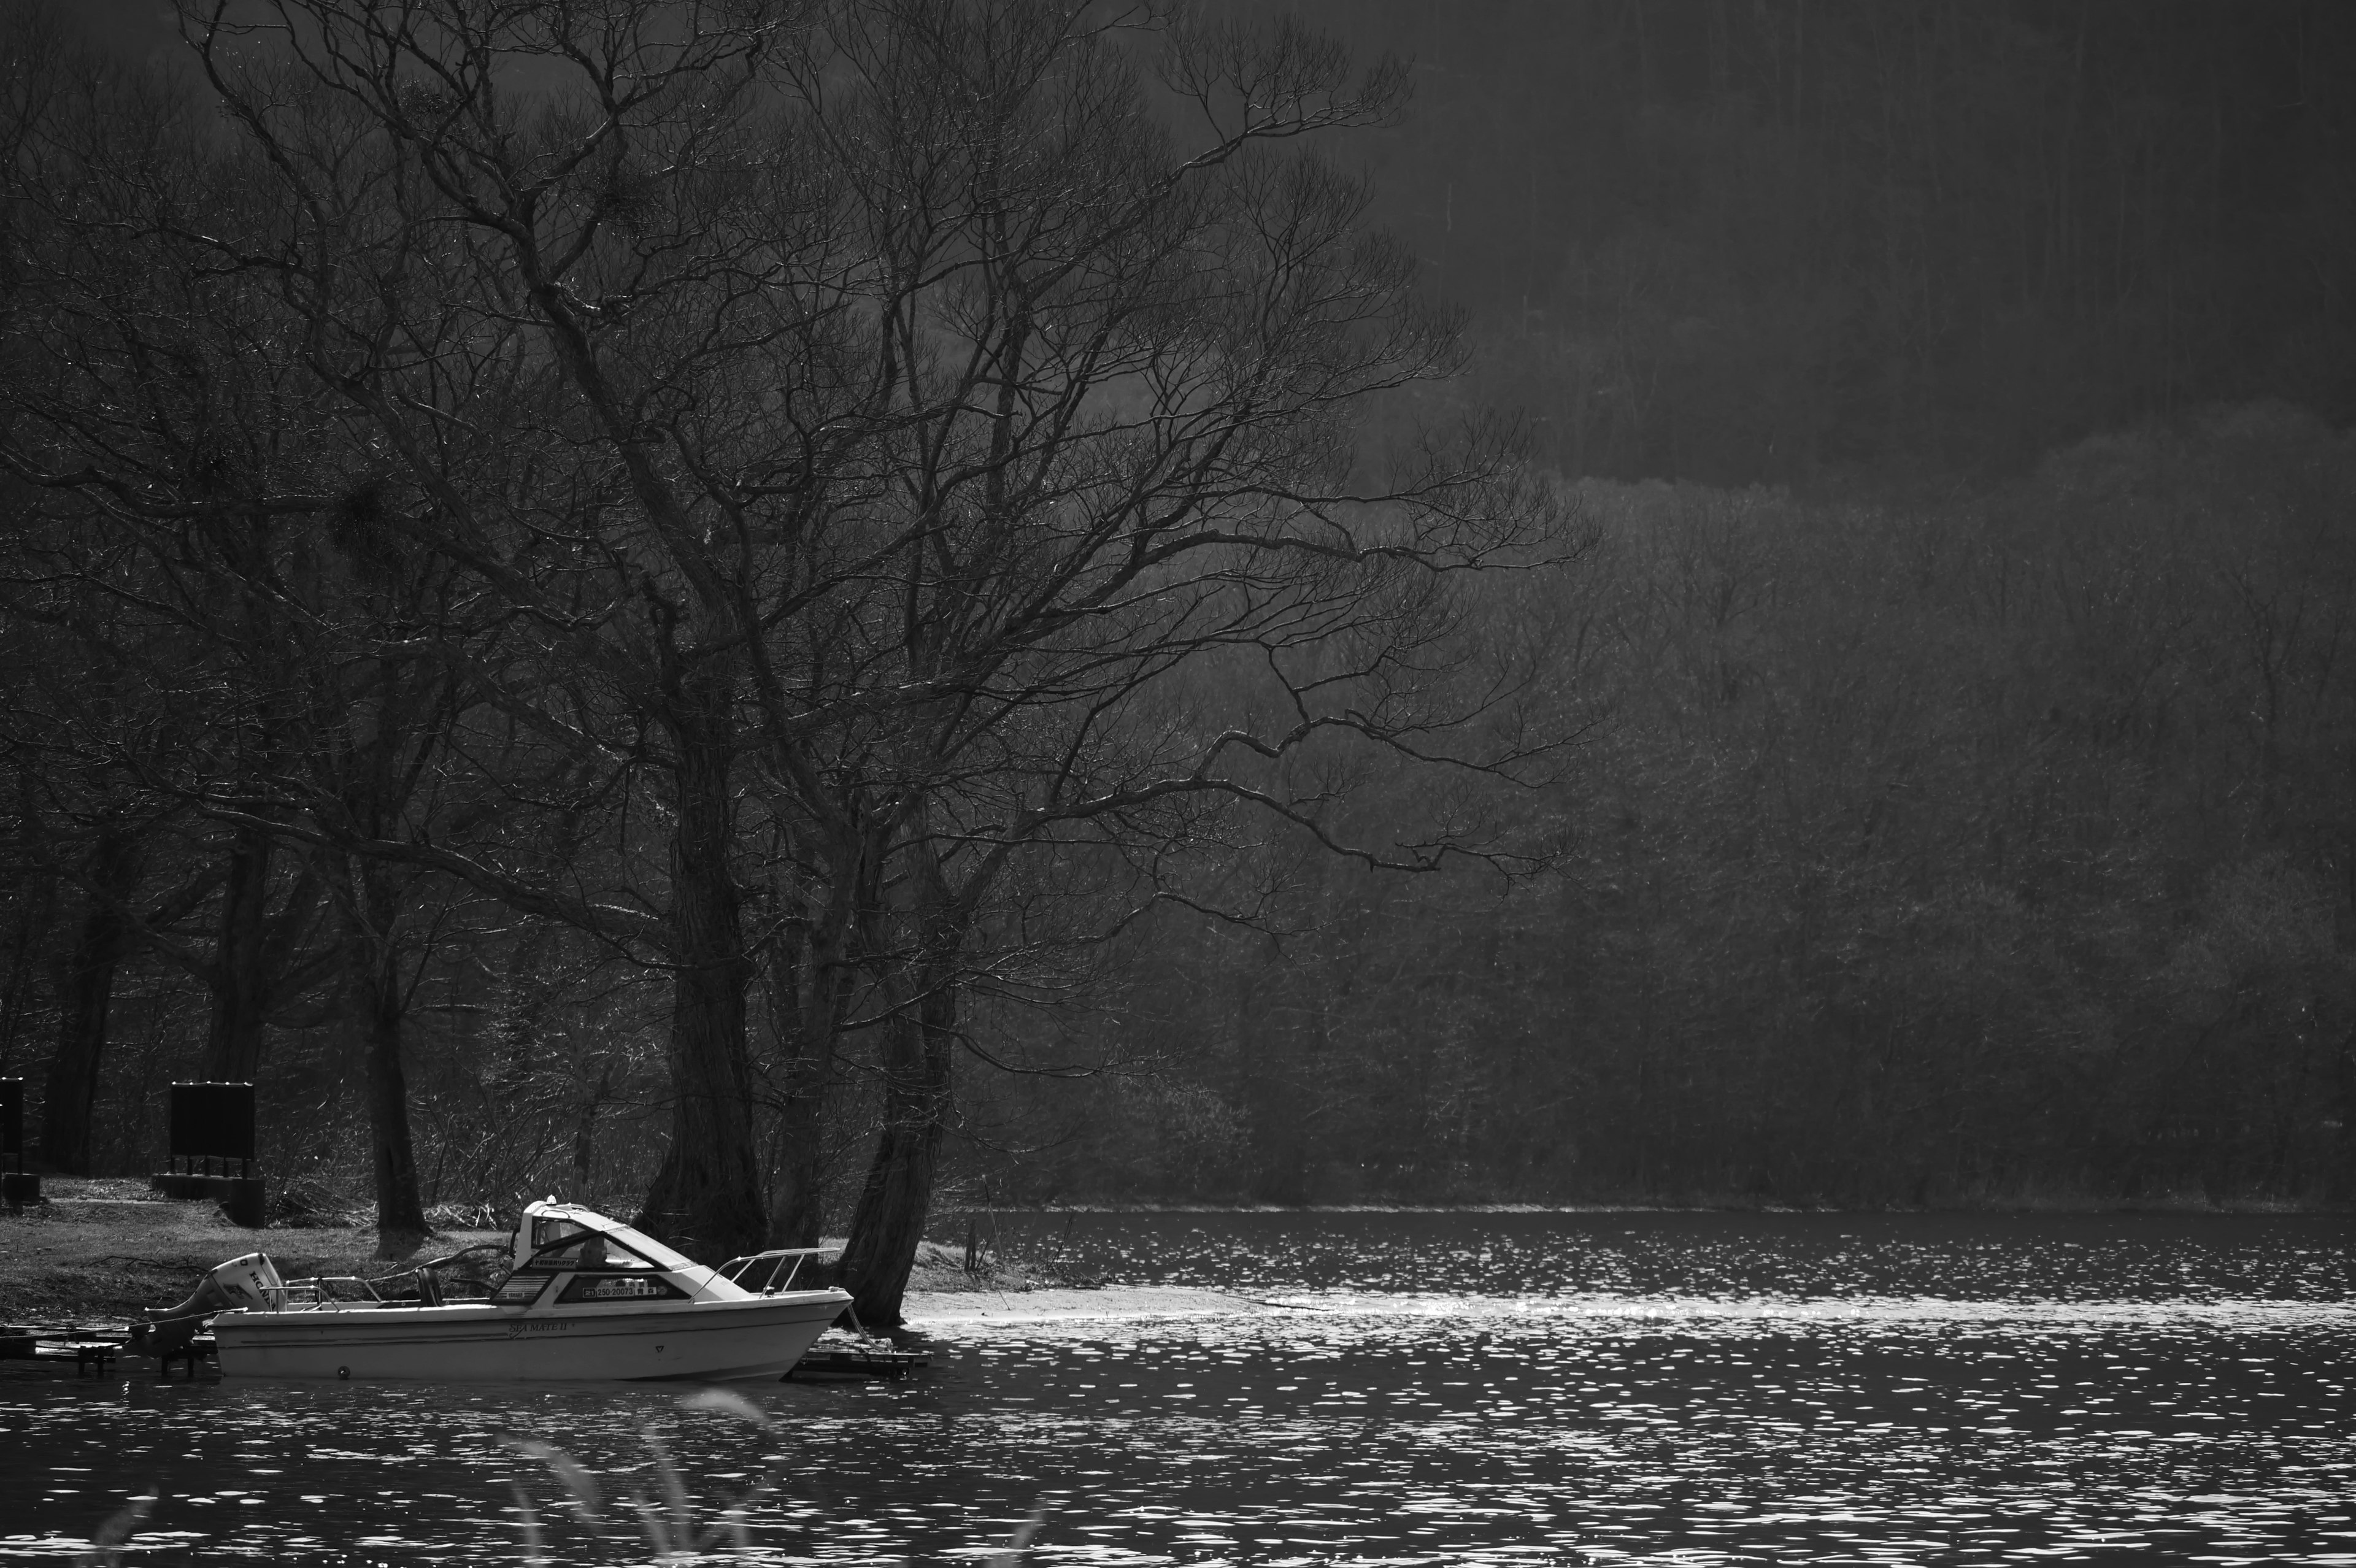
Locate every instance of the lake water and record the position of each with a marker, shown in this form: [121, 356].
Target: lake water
[1418, 1388]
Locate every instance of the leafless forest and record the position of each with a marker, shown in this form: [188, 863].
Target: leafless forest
[776, 614]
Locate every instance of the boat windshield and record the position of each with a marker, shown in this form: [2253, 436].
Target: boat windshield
[647, 1246]
[552, 1229]
[588, 1253]
[547, 1232]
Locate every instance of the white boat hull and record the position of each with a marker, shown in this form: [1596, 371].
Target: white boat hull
[760, 1337]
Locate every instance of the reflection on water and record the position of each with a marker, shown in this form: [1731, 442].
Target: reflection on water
[1416, 1389]
[1963, 1257]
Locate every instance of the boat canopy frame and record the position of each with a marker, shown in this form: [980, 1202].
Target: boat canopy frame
[549, 1211]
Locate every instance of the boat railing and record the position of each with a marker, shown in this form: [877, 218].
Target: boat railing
[425, 1283]
[321, 1291]
[759, 1272]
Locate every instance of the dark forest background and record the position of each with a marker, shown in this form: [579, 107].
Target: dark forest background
[1948, 408]
[1737, 243]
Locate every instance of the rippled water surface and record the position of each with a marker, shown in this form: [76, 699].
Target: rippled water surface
[1401, 1388]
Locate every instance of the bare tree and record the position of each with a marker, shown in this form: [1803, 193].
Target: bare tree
[922, 435]
[292, 674]
[1132, 566]
[554, 260]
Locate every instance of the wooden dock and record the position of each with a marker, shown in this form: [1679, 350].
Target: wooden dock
[90, 1348]
[831, 1359]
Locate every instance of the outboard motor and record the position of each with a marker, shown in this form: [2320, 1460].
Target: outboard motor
[250, 1281]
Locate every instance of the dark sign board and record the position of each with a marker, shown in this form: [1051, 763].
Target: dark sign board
[12, 1116]
[212, 1119]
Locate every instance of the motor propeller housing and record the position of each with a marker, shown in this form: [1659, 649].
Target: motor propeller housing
[250, 1281]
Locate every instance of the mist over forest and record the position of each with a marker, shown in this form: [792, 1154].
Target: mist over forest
[1958, 397]
[1779, 642]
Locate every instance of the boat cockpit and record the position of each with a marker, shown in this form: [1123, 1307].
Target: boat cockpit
[563, 1254]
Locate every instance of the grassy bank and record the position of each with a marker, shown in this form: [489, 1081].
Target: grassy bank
[102, 1248]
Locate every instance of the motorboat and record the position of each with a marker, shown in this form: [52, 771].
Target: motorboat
[582, 1297]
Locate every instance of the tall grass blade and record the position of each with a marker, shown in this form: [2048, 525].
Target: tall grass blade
[587, 1500]
[733, 1519]
[739, 1535]
[106, 1542]
[726, 1402]
[534, 1555]
[1011, 1554]
[650, 1519]
[674, 1488]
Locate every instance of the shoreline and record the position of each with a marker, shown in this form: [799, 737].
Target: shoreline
[89, 1260]
[104, 1257]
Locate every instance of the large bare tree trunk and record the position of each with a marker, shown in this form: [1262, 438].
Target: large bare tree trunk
[898, 1194]
[240, 973]
[919, 1056]
[88, 989]
[379, 1015]
[584, 1134]
[706, 1199]
[810, 995]
[399, 1208]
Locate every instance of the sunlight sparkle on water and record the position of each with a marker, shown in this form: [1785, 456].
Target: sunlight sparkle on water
[1401, 1388]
